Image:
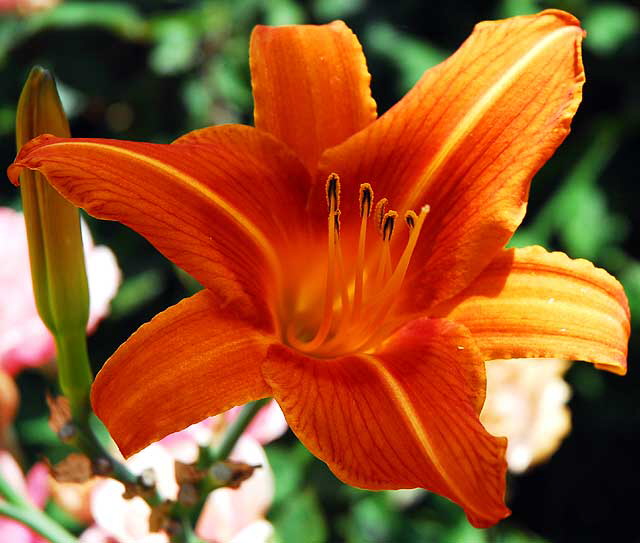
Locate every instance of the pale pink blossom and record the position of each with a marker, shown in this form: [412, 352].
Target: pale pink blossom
[35, 487]
[26, 7]
[268, 425]
[24, 340]
[228, 512]
[227, 515]
[527, 403]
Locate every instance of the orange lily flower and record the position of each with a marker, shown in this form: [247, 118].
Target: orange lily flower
[370, 334]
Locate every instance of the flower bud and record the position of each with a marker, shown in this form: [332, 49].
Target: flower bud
[55, 242]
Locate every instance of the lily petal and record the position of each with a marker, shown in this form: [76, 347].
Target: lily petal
[192, 361]
[310, 86]
[199, 204]
[402, 418]
[529, 303]
[467, 139]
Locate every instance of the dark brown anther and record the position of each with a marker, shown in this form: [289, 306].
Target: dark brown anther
[388, 224]
[366, 199]
[333, 192]
[410, 218]
[336, 222]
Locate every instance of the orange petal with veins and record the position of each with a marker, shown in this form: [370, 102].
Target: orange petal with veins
[194, 360]
[402, 418]
[467, 139]
[310, 86]
[529, 303]
[218, 210]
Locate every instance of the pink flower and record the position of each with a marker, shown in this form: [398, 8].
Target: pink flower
[24, 340]
[527, 403]
[26, 7]
[269, 424]
[237, 515]
[35, 487]
[229, 516]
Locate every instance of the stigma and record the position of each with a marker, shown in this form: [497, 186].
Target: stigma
[360, 291]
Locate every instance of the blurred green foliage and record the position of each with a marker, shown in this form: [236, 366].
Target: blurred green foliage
[152, 70]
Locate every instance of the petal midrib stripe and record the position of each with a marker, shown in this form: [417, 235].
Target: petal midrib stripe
[193, 184]
[475, 114]
[412, 419]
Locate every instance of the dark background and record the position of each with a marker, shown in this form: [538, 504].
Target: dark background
[152, 70]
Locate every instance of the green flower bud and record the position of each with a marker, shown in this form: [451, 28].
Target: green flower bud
[55, 242]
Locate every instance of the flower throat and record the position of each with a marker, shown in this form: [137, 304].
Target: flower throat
[357, 301]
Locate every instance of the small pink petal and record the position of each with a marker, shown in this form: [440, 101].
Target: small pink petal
[12, 531]
[268, 425]
[228, 511]
[260, 531]
[34, 487]
[184, 445]
[38, 485]
[128, 520]
[11, 471]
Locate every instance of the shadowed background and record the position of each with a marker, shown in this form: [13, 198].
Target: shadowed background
[153, 70]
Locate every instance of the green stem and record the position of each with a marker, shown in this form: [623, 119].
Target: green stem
[37, 521]
[93, 447]
[237, 427]
[74, 373]
[188, 535]
[10, 494]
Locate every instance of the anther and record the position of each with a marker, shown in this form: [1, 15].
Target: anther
[379, 214]
[366, 199]
[410, 218]
[388, 223]
[333, 192]
[336, 222]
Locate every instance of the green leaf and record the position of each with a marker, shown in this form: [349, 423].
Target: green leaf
[300, 519]
[512, 8]
[373, 521]
[136, 291]
[118, 17]
[630, 277]
[328, 10]
[176, 45]
[609, 26]
[283, 12]
[289, 464]
[410, 55]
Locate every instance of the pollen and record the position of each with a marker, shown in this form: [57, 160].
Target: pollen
[358, 295]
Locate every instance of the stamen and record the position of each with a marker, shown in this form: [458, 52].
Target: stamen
[384, 264]
[410, 218]
[382, 304]
[388, 224]
[336, 223]
[345, 309]
[401, 269]
[381, 208]
[366, 201]
[333, 192]
[355, 320]
[333, 260]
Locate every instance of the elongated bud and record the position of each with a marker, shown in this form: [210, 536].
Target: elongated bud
[55, 241]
